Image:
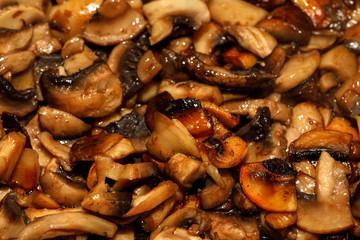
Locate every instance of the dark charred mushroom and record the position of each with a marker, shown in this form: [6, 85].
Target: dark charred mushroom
[92, 92]
[13, 218]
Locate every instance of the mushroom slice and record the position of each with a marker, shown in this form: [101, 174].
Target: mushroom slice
[92, 92]
[208, 37]
[20, 16]
[124, 61]
[243, 81]
[226, 118]
[174, 233]
[227, 227]
[124, 175]
[188, 111]
[153, 198]
[270, 185]
[11, 148]
[192, 89]
[330, 211]
[13, 218]
[288, 23]
[162, 144]
[306, 116]
[109, 203]
[184, 169]
[312, 143]
[16, 62]
[114, 145]
[341, 61]
[19, 103]
[280, 220]
[185, 215]
[58, 149]
[67, 223]
[151, 220]
[12, 40]
[46, 45]
[62, 189]
[279, 111]
[297, 69]
[67, 18]
[27, 171]
[120, 26]
[228, 150]
[61, 124]
[213, 195]
[254, 39]
[348, 95]
[226, 12]
[352, 38]
[196, 10]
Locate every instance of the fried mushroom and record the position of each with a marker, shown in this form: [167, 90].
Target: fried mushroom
[195, 12]
[92, 92]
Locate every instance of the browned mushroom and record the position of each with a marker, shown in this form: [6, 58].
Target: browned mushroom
[278, 110]
[11, 147]
[117, 21]
[66, 190]
[244, 81]
[226, 12]
[162, 144]
[20, 15]
[312, 143]
[234, 226]
[12, 40]
[67, 223]
[330, 211]
[19, 103]
[270, 185]
[184, 169]
[61, 124]
[92, 92]
[27, 171]
[190, 214]
[213, 195]
[196, 13]
[348, 95]
[13, 218]
[288, 23]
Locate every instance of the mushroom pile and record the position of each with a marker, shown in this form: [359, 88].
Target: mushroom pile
[179, 119]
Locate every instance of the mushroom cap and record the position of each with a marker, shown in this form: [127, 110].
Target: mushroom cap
[92, 92]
